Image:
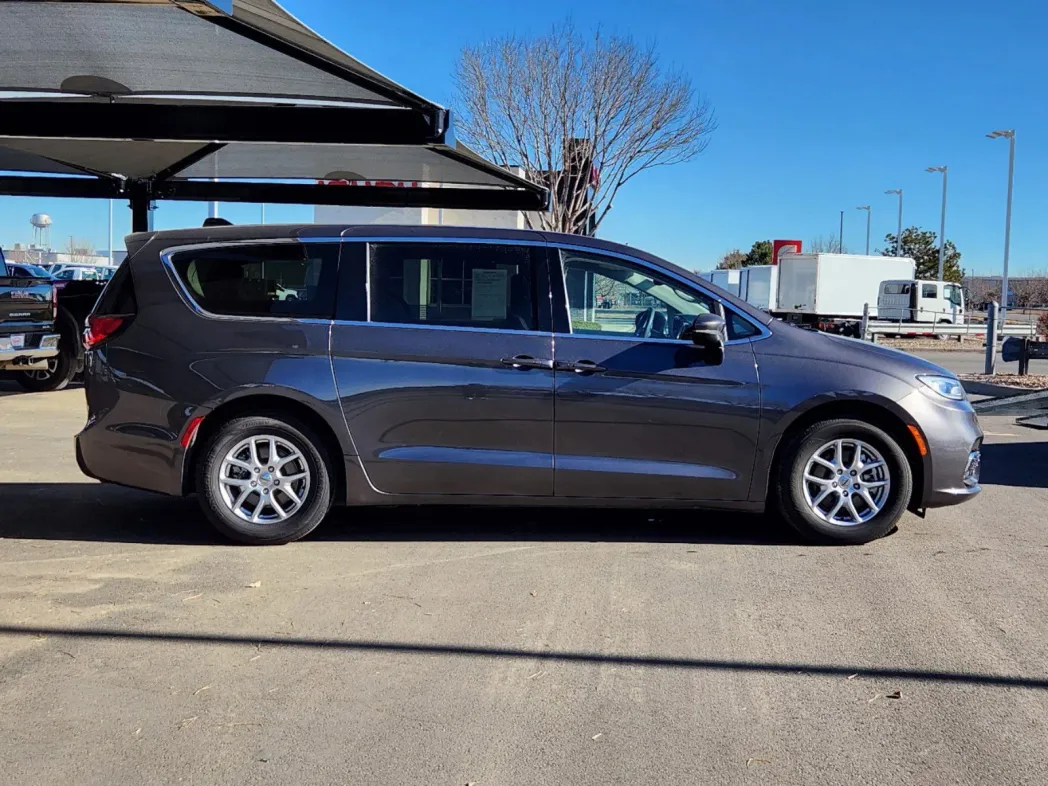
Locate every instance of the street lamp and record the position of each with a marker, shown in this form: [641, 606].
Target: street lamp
[1010, 136]
[867, 209]
[942, 225]
[898, 236]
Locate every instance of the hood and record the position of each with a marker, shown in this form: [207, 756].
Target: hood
[853, 352]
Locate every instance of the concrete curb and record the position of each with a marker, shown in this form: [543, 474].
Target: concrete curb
[989, 389]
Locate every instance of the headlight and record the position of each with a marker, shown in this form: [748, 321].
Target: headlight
[947, 387]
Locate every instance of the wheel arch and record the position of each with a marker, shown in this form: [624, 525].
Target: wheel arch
[272, 404]
[881, 413]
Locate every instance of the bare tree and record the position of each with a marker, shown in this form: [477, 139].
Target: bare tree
[79, 250]
[829, 245]
[732, 260]
[580, 116]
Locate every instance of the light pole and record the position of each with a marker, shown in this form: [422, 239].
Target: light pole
[942, 225]
[1010, 136]
[867, 209]
[898, 235]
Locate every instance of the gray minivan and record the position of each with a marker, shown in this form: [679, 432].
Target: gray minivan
[278, 370]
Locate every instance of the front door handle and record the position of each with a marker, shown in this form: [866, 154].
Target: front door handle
[524, 362]
[582, 367]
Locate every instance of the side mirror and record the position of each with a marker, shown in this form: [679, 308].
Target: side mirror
[709, 332]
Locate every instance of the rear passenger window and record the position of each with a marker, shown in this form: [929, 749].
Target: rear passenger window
[263, 280]
[118, 297]
[453, 284]
[929, 290]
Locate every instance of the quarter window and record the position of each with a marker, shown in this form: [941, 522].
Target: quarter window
[481, 285]
[267, 280]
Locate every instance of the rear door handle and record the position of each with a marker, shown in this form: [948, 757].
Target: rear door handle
[582, 367]
[524, 362]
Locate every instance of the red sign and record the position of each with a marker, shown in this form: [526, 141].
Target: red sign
[779, 247]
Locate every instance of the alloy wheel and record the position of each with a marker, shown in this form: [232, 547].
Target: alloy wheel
[264, 479]
[846, 482]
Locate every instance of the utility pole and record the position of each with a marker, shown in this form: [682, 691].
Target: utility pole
[942, 225]
[898, 234]
[867, 209]
[1010, 136]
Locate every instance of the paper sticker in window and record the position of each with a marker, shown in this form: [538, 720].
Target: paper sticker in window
[490, 293]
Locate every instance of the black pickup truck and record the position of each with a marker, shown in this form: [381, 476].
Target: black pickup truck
[28, 339]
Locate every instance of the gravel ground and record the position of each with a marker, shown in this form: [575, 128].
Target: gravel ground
[919, 345]
[1029, 382]
[513, 647]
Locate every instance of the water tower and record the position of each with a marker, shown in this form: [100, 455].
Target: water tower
[41, 230]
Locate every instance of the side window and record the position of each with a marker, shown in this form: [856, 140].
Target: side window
[608, 296]
[739, 326]
[3, 264]
[118, 297]
[483, 285]
[929, 290]
[953, 294]
[263, 280]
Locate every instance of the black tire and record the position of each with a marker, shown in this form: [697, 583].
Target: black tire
[60, 369]
[789, 489]
[302, 521]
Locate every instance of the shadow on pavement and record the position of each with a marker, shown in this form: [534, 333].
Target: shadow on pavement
[456, 650]
[97, 512]
[1022, 464]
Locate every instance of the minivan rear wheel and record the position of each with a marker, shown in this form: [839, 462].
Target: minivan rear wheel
[264, 481]
[843, 481]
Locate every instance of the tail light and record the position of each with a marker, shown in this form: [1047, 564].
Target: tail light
[102, 328]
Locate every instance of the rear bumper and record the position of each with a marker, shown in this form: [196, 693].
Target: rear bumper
[28, 358]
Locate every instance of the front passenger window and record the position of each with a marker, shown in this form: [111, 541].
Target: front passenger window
[608, 296]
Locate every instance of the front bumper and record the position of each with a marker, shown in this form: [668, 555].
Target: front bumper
[30, 358]
[951, 430]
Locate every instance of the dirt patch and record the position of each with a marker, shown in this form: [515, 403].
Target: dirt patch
[1029, 382]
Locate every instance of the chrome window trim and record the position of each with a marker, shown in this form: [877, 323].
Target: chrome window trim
[764, 332]
[190, 301]
[167, 253]
[453, 328]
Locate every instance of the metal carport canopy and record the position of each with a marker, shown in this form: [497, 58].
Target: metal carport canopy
[153, 99]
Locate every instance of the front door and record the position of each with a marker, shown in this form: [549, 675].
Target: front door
[443, 360]
[639, 414]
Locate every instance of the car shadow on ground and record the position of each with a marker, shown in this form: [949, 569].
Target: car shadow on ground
[1023, 464]
[97, 512]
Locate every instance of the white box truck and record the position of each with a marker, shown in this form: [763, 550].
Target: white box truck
[829, 291]
[759, 286]
[725, 279]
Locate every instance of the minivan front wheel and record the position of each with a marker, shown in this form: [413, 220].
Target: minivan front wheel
[263, 480]
[843, 481]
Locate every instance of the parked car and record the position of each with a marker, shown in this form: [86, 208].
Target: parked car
[23, 270]
[27, 313]
[432, 365]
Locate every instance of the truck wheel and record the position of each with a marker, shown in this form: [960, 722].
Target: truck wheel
[843, 482]
[60, 369]
[264, 480]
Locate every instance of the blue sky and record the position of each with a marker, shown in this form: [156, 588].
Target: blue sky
[822, 105]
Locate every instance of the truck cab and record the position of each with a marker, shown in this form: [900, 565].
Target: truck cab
[916, 300]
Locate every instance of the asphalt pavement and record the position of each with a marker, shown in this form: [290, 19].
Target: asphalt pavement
[445, 646]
